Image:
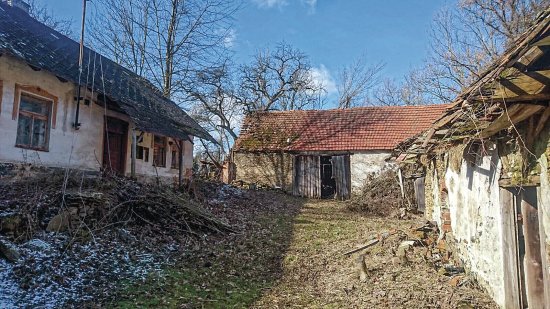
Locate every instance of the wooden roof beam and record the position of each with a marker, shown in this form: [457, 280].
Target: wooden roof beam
[513, 114]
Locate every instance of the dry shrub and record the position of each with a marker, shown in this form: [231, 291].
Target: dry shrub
[93, 203]
[381, 195]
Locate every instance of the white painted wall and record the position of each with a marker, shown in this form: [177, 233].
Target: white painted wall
[82, 149]
[365, 163]
[474, 204]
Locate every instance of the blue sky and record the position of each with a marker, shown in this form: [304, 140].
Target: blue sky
[331, 32]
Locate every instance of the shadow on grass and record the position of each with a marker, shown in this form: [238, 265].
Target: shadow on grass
[229, 271]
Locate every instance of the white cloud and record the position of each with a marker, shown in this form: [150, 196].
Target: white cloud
[321, 75]
[270, 3]
[311, 4]
[230, 38]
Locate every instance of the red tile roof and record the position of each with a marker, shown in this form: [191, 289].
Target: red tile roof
[363, 128]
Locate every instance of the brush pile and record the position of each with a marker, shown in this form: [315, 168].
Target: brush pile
[82, 205]
[381, 195]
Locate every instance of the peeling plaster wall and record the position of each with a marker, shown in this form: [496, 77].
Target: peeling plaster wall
[268, 169]
[474, 204]
[82, 149]
[471, 195]
[365, 163]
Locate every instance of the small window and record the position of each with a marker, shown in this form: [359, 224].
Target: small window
[33, 124]
[175, 157]
[159, 151]
[142, 153]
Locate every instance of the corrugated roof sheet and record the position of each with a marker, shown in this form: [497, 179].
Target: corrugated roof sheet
[23, 37]
[364, 128]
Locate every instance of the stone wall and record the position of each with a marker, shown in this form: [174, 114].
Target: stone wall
[273, 170]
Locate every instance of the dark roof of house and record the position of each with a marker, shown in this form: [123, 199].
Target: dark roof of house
[493, 102]
[41, 47]
[355, 129]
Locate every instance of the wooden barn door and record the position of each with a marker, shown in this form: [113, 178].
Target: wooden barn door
[341, 171]
[307, 176]
[114, 145]
[526, 278]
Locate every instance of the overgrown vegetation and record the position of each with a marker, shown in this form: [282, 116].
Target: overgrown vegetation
[381, 195]
[84, 205]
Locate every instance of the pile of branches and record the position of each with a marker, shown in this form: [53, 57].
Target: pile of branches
[381, 195]
[75, 202]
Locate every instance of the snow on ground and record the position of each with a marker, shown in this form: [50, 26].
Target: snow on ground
[55, 271]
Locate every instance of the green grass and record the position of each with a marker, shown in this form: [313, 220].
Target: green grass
[229, 274]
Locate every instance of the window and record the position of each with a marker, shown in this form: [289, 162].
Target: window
[175, 157]
[159, 151]
[33, 124]
[142, 153]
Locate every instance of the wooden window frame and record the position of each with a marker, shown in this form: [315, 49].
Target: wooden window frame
[142, 153]
[37, 92]
[33, 115]
[163, 162]
[175, 164]
[139, 152]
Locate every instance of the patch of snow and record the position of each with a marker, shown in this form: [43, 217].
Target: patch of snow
[56, 272]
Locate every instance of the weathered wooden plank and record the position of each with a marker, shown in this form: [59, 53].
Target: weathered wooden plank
[419, 191]
[544, 252]
[542, 121]
[431, 132]
[514, 114]
[512, 293]
[534, 277]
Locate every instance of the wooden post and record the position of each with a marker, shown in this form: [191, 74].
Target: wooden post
[133, 154]
[180, 162]
[544, 252]
[512, 288]
[534, 276]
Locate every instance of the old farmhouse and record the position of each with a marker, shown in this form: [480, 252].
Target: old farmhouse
[324, 153]
[487, 173]
[118, 113]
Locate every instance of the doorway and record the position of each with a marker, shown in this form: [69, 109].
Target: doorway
[328, 183]
[114, 145]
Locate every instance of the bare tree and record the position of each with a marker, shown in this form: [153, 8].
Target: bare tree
[391, 92]
[280, 79]
[355, 81]
[46, 16]
[166, 41]
[466, 38]
[216, 109]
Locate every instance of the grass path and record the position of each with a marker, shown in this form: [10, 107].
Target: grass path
[289, 255]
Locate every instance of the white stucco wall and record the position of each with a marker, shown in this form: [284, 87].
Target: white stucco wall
[474, 204]
[82, 149]
[365, 163]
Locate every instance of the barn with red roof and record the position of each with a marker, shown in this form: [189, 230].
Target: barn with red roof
[324, 153]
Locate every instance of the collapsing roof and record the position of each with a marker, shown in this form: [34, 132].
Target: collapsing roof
[356, 129]
[23, 37]
[512, 89]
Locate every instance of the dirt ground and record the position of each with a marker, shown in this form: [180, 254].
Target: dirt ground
[289, 254]
[317, 275]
